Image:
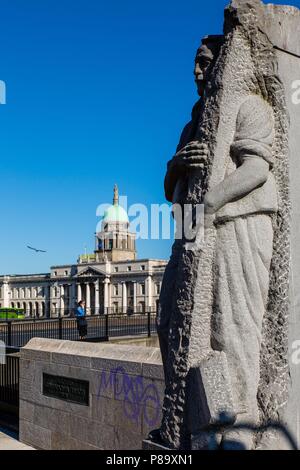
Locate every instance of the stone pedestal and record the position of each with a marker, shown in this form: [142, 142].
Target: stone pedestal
[149, 445]
[88, 396]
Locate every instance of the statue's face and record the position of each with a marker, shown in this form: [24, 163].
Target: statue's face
[203, 61]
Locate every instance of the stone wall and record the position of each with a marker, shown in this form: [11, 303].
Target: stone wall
[125, 395]
[283, 27]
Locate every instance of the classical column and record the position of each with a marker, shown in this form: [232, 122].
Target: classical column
[5, 295]
[62, 300]
[134, 296]
[72, 296]
[124, 297]
[88, 299]
[79, 293]
[97, 297]
[48, 301]
[149, 292]
[106, 296]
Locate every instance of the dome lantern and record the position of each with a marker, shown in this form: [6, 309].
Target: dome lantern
[115, 214]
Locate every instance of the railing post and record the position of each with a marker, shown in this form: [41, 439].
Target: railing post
[60, 327]
[149, 323]
[106, 326]
[9, 338]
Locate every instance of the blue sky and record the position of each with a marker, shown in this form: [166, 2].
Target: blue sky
[97, 94]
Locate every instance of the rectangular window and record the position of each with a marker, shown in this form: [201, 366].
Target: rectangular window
[143, 290]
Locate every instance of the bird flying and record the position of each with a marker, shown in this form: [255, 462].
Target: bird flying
[36, 250]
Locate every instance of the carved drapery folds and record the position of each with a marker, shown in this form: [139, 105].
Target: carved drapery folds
[220, 321]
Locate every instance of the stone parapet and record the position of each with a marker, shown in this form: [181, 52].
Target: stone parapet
[88, 396]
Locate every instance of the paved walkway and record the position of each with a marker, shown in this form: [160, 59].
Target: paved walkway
[8, 441]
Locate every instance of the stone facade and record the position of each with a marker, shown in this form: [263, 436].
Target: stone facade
[111, 280]
[125, 395]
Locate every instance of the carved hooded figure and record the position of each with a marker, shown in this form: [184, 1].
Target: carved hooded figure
[230, 295]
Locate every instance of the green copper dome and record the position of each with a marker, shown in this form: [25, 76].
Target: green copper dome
[115, 213]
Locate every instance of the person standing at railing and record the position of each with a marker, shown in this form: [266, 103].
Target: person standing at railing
[81, 320]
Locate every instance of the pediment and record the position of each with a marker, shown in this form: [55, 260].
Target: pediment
[90, 272]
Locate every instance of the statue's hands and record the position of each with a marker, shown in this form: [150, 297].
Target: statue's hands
[209, 203]
[193, 156]
[213, 200]
[210, 208]
[209, 220]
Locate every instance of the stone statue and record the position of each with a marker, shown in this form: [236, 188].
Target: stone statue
[223, 310]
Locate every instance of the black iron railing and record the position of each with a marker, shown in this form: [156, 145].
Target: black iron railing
[9, 378]
[100, 327]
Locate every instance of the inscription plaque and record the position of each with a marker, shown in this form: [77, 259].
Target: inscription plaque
[66, 388]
